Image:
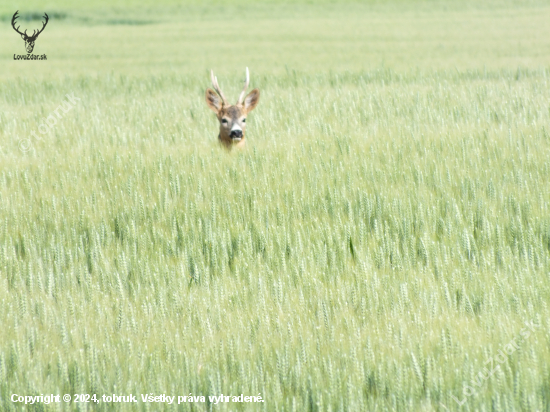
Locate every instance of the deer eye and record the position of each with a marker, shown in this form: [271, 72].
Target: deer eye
[224, 121]
[244, 120]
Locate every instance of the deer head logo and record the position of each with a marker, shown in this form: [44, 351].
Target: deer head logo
[29, 40]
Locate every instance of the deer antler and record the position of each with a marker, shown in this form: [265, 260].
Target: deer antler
[15, 16]
[43, 26]
[247, 80]
[34, 34]
[217, 87]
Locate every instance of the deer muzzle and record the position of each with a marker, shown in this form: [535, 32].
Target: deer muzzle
[236, 134]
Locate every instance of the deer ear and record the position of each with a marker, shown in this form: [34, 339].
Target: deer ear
[213, 100]
[251, 100]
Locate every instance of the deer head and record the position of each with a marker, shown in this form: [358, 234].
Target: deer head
[232, 118]
[29, 40]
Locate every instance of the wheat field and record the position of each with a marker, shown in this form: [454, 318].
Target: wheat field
[382, 243]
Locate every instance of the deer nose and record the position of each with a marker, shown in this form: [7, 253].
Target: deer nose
[236, 133]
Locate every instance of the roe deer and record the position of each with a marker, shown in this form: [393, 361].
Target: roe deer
[232, 118]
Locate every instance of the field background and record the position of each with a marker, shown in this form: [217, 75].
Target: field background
[385, 232]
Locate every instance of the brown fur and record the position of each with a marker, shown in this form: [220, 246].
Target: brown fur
[233, 115]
